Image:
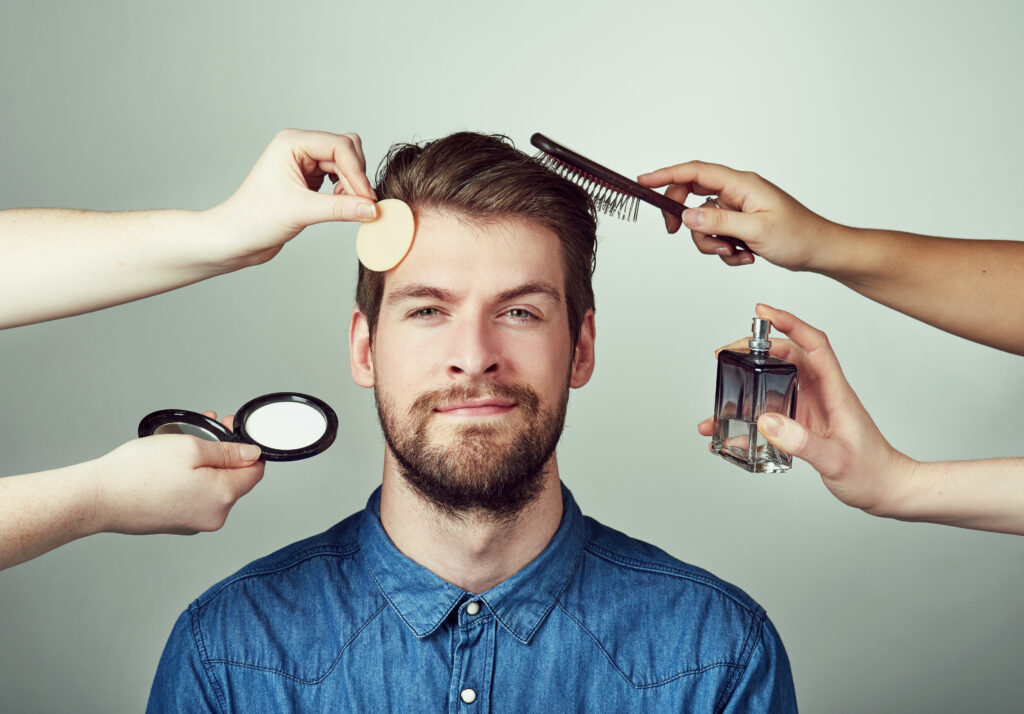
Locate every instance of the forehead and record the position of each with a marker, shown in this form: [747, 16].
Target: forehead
[468, 255]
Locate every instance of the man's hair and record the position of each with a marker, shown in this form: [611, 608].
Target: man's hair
[482, 177]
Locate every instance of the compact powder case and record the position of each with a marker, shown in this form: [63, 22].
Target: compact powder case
[287, 426]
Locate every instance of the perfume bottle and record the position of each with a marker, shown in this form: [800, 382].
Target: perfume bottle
[750, 384]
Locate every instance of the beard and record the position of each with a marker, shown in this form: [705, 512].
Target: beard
[494, 470]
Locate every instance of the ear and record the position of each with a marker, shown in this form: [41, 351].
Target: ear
[360, 356]
[583, 359]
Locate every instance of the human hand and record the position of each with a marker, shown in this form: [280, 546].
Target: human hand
[172, 483]
[832, 431]
[772, 223]
[280, 196]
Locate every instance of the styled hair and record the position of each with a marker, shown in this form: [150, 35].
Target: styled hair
[483, 177]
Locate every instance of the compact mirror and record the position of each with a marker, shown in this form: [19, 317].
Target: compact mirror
[287, 426]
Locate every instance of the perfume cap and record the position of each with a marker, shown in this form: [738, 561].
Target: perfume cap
[759, 342]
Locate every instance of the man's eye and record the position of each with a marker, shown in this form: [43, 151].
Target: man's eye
[425, 313]
[521, 315]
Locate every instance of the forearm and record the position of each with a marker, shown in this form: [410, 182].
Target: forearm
[970, 288]
[58, 262]
[986, 494]
[41, 511]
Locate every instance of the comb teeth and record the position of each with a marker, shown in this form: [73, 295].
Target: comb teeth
[607, 198]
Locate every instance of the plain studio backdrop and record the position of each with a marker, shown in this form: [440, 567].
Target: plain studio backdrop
[898, 115]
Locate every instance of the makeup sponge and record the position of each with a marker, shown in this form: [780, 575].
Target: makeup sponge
[383, 242]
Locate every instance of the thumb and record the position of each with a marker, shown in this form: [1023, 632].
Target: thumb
[322, 207]
[796, 439]
[721, 222]
[226, 454]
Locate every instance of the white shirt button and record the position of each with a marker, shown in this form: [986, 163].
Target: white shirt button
[472, 608]
[468, 696]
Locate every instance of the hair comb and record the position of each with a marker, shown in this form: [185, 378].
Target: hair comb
[613, 194]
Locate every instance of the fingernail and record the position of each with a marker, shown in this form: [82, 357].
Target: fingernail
[250, 452]
[746, 259]
[770, 424]
[692, 217]
[366, 210]
[723, 250]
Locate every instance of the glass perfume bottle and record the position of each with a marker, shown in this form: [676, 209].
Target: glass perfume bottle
[750, 384]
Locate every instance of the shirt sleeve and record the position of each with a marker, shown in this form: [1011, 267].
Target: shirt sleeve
[766, 683]
[182, 682]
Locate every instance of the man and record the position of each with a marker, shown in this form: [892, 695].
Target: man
[472, 582]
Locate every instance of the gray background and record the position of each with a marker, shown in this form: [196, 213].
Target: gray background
[898, 115]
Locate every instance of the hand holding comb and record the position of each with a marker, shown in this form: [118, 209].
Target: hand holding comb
[613, 194]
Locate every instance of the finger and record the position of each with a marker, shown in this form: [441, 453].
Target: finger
[813, 341]
[337, 154]
[210, 415]
[229, 422]
[794, 438]
[321, 207]
[737, 257]
[357, 144]
[224, 455]
[739, 345]
[343, 186]
[721, 222]
[819, 363]
[705, 179]
[679, 194]
[706, 427]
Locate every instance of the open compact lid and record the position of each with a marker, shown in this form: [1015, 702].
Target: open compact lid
[287, 426]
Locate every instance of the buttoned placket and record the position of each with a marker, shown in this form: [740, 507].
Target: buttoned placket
[473, 659]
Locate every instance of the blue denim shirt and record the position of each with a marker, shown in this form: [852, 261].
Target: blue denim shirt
[598, 622]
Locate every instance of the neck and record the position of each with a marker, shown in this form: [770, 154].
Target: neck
[471, 551]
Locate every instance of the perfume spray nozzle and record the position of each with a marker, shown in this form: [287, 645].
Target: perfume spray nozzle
[759, 342]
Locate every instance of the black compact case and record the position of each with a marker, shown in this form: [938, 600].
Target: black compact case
[181, 421]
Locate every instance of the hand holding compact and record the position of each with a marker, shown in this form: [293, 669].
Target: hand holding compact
[832, 430]
[173, 483]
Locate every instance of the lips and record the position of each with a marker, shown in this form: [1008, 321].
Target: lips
[485, 406]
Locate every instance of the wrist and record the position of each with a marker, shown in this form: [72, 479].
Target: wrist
[91, 512]
[899, 496]
[833, 248]
[222, 228]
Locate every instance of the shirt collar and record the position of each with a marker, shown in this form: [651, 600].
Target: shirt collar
[520, 603]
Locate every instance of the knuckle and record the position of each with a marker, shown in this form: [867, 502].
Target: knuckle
[340, 210]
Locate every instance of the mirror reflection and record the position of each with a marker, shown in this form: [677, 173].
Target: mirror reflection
[178, 427]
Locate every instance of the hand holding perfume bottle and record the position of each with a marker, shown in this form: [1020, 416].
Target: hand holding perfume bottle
[829, 427]
[833, 432]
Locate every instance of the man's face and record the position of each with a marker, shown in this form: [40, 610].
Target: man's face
[471, 361]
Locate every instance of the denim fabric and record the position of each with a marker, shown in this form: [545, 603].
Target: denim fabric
[598, 622]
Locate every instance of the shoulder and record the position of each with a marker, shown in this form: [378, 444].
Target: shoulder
[283, 568]
[293, 601]
[658, 617]
[633, 562]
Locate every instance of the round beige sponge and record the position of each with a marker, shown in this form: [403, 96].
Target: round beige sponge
[383, 242]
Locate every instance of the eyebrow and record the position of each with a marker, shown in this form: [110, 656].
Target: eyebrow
[419, 291]
[532, 289]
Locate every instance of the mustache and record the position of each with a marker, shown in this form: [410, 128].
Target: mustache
[525, 397]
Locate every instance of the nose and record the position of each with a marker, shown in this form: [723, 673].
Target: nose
[474, 350]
